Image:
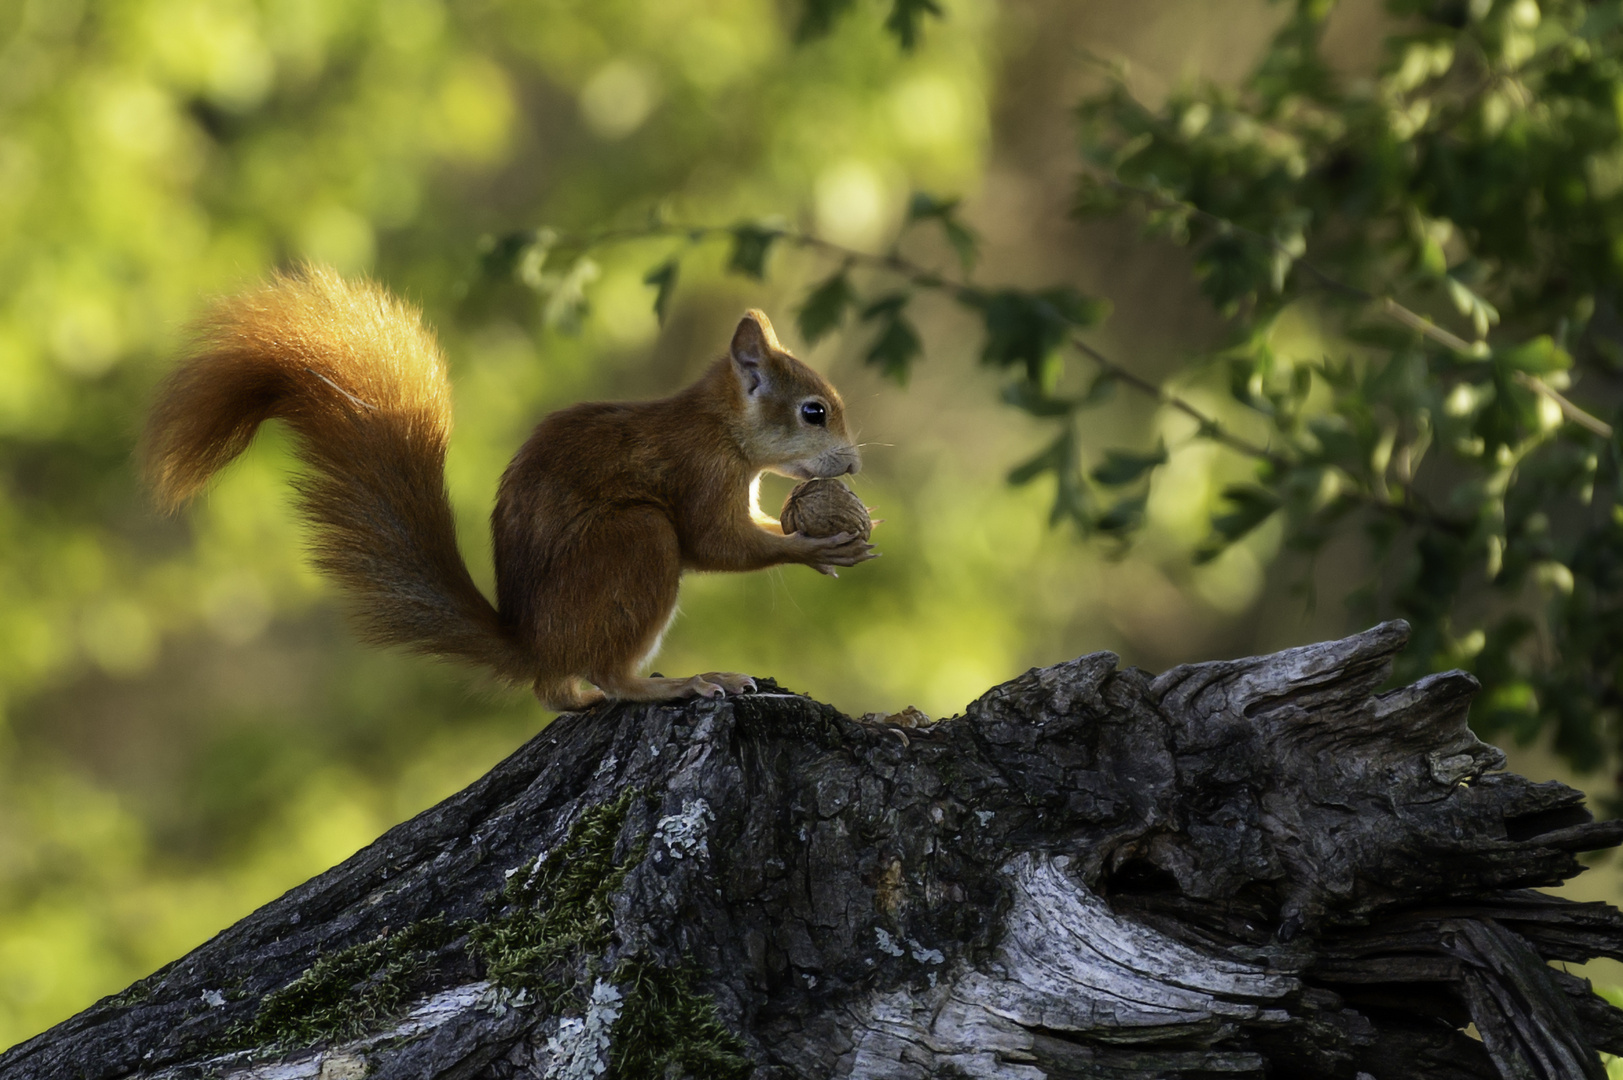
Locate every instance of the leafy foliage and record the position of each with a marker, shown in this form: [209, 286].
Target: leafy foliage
[186, 729]
[1446, 230]
[1027, 329]
[905, 20]
[1449, 226]
[897, 344]
[1472, 178]
[825, 307]
[925, 207]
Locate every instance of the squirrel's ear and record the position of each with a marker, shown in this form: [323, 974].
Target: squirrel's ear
[753, 343]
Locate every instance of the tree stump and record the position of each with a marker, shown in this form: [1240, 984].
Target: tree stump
[1251, 868]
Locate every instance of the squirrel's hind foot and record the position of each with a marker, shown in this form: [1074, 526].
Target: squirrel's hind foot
[729, 682]
[713, 684]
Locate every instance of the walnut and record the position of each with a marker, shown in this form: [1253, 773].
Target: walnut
[825, 508]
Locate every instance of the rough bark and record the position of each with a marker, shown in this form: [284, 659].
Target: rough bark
[1261, 867]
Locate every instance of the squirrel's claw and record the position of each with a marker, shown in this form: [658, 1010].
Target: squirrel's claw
[717, 684]
[841, 549]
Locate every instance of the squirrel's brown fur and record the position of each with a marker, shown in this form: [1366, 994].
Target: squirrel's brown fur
[597, 516]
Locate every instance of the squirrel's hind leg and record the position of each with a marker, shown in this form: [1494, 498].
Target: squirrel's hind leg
[605, 603]
[567, 695]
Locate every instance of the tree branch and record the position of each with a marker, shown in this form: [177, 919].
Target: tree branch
[915, 274]
[1386, 305]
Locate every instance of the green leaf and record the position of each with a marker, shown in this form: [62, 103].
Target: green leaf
[1338, 443]
[751, 245]
[1314, 530]
[1541, 356]
[1124, 517]
[1233, 269]
[499, 255]
[898, 344]
[923, 205]
[1101, 389]
[565, 304]
[1240, 372]
[663, 278]
[1467, 302]
[818, 17]
[886, 306]
[964, 242]
[1030, 398]
[895, 349]
[1059, 457]
[1382, 335]
[1252, 506]
[1430, 258]
[1050, 458]
[1025, 328]
[825, 307]
[1123, 467]
[905, 17]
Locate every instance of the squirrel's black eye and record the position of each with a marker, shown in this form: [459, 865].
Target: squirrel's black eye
[813, 413]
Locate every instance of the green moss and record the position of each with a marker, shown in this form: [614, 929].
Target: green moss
[552, 923]
[557, 917]
[352, 991]
[133, 994]
[668, 1028]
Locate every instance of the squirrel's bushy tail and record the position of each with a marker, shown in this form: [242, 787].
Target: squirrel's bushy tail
[360, 380]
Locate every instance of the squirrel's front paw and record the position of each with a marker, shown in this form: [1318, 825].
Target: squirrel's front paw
[824, 553]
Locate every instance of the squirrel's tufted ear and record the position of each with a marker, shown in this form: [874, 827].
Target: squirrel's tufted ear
[753, 344]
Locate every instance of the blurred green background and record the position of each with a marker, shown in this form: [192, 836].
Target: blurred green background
[186, 726]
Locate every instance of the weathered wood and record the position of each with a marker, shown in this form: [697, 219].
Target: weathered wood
[1261, 867]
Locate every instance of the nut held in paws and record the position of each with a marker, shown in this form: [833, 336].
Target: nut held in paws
[825, 508]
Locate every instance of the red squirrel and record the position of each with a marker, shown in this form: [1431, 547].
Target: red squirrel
[596, 518]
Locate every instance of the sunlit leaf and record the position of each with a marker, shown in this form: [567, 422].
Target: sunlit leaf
[1250, 507]
[1481, 313]
[1540, 356]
